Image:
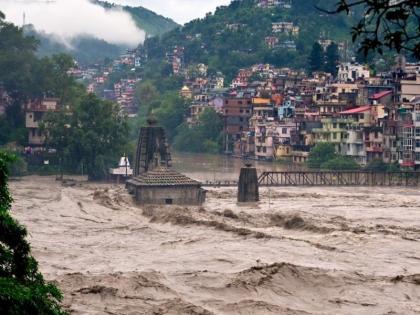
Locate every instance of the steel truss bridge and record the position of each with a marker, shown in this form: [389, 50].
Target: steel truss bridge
[339, 178]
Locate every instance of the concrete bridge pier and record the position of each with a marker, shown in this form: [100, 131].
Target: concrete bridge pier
[248, 187]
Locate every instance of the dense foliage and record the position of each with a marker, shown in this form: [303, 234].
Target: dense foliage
[323, 156]
[93, 135]
[206, 136]
[23, 290]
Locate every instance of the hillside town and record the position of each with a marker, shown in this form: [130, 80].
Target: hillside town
[280, 114]
[285, 113]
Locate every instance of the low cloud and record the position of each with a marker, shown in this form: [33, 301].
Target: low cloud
[67, 19]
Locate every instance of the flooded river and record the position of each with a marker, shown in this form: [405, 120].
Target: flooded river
[206, 167]
[300, 251]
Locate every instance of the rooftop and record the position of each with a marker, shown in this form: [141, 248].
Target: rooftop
[378, 96]
[163, 176]
[356, 110]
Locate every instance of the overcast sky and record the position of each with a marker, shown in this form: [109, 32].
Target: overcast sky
[180, 11]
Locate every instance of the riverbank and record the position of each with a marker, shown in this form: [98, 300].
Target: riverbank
[298, 251]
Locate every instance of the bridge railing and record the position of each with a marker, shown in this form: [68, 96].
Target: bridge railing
[339, 178]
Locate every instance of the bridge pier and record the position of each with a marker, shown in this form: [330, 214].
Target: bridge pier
[248, 187]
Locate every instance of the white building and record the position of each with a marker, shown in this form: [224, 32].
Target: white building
[350, 72]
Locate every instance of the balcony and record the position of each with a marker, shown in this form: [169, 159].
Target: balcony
[374, 149]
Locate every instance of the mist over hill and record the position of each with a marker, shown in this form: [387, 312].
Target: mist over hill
[93, 43]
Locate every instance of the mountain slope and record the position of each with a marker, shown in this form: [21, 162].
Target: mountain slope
[235, 35]
[153, 24]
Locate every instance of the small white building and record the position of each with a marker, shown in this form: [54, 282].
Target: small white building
[123, 171]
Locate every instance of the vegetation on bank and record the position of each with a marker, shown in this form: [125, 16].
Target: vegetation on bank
[23, 290]
[324, 157]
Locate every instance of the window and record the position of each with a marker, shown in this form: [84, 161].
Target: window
[284, 131]
[408, 144]
[240, 102]
[417, 132]
[168, 201]
[334, 135]
[241, 111]
[376, 135]
[264, 150]
[417, 156]
[417, 116]
[334, 125]
[417, 143]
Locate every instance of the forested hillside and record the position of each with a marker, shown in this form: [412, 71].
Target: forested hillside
[235, 35]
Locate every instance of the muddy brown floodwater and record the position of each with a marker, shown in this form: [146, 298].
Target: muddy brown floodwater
[299, 251]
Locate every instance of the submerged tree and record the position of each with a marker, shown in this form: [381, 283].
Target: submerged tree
[23, 290]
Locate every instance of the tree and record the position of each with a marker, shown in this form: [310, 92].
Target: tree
[385, 24]
[316, 58]
[23, 290]
[145, 93]
[321, 153]
[94, 134]
[331, 59]
[340, 163]
[205, 137]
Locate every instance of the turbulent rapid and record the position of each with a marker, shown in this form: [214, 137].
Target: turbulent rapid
[299, 251]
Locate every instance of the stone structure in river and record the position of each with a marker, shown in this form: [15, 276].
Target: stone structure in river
[248, 190]
[154, 181]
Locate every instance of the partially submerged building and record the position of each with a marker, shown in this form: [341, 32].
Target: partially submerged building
[154, 181]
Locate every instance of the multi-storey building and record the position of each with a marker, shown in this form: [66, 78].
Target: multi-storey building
[34, 114]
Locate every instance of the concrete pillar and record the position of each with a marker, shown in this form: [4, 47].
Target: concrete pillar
[248, 185]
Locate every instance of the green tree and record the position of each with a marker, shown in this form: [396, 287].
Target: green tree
[94, 134]
[146, 92]
[23, 290]
[385, 24]
[340, 163]
[377, 165]
[316, 58]
[321, 153]
[205, 137]
[170, 112]
[332, 59]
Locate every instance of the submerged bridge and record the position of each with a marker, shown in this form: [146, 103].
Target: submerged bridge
[330, 178]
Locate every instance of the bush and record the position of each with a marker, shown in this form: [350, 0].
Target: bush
[320, 154]
[340, 163]
[377, 165]
[17, 166]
